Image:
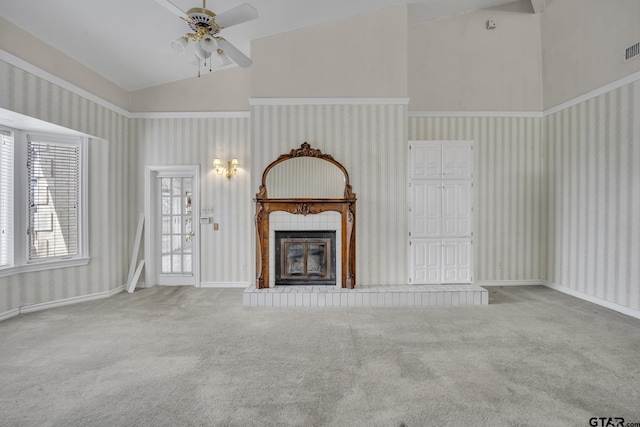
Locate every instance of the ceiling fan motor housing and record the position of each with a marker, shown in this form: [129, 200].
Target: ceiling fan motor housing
[200, 18]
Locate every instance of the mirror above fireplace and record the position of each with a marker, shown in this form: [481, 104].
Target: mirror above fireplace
[305, 177]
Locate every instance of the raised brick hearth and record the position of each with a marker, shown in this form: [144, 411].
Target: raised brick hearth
[366, 296]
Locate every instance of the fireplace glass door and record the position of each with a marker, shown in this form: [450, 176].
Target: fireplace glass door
[302, 258]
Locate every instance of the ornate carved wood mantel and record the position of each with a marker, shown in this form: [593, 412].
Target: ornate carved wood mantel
[346, 206]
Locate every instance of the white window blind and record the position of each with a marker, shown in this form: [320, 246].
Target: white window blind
[6, 198]
[54, 200]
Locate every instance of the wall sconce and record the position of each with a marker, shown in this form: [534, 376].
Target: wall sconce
[229, 171]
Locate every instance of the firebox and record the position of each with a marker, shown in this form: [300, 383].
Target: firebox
[305, 257]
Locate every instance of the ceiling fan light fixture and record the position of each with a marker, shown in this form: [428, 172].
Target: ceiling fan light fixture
[222, 58]
[179, 45]
[208, 43]
[205, 34]
[201, 52]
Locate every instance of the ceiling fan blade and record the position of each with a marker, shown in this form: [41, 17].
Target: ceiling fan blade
[238, 57]
[173, 8]
[243, 13]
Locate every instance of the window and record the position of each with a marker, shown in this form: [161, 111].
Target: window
[54, 199]
[43, 208]
[6, 198]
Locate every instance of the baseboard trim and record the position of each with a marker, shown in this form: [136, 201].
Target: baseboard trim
[224, 284]
[68, 301]
[599, 301]
[192, 115]
[456, 114]
[142, 285]
[328, 101]
[9, 314]
[533, 282]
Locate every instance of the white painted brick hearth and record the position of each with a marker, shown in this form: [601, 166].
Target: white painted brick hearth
[366, 296]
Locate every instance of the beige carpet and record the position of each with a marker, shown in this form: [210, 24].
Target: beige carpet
[171, 356]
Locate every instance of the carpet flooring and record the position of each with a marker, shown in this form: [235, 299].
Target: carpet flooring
[182, 356]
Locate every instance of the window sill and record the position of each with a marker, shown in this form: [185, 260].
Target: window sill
[44, 265]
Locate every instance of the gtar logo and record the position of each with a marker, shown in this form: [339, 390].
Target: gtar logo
[606, 422]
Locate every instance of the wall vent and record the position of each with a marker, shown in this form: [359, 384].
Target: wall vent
[631, 52]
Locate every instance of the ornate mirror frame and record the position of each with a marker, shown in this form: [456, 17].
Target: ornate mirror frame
[346, 206]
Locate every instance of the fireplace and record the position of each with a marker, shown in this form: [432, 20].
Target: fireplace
[305, 257]
[313, 203]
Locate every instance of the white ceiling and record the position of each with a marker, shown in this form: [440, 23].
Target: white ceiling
[127, 41]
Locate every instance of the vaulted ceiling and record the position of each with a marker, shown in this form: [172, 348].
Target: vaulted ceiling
[127, 41]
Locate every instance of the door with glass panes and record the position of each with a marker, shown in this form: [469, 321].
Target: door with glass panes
[176, 231]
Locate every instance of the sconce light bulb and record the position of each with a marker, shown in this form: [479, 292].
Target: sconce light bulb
[229, 171]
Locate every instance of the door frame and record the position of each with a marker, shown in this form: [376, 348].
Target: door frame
[151, 216]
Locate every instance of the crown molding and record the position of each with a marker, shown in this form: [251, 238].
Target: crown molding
[45, 75]
[328, 101]
[632, 78]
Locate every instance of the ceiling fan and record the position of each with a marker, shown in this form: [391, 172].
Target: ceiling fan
[205, 28]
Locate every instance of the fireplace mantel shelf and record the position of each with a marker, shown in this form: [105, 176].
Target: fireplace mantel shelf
[300, 200]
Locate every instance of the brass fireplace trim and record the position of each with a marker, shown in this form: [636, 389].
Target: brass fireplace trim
[346, 206]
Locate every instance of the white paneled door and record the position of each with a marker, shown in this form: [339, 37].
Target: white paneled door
[456, 212]
[426, 260]
[425, 218]
[456, 261]
[426, 161]
[441, 212]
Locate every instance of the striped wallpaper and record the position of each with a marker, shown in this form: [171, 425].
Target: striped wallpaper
[593, 185]
[509, 203]
[110, 189]
[370, 141]
[556, 198]
[225, 254]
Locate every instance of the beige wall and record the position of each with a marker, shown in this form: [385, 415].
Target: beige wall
[225, 254]
[371, 142]
[509, 194]
[456, 64]
[569, 223]
[528, 63]
[224, 90]
[110, 188]
[364, 56]
[23, 45]
[592, 156]
[582, 46]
